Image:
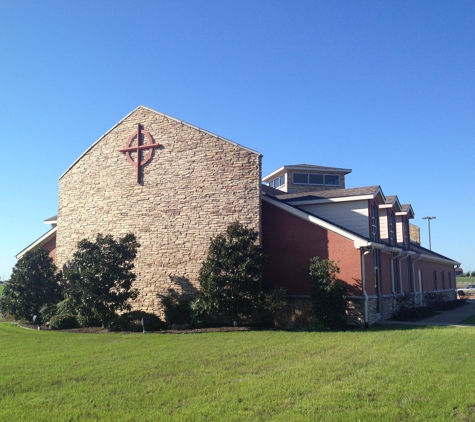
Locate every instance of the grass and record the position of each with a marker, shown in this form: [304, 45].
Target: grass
[464, 281]
[388, 374]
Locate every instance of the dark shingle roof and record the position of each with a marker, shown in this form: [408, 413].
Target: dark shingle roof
[323, 194]
[421, 250]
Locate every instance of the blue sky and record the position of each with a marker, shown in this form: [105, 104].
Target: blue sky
[386, 88]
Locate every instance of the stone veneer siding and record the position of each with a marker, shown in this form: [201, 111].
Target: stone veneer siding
[195, 185]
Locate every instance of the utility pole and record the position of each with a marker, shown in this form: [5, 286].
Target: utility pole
[428, 222]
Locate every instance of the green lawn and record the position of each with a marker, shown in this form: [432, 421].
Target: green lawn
[463, 281]
[389, 374]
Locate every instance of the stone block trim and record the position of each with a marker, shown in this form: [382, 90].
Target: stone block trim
[195, 185]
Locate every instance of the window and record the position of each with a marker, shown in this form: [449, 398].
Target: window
[395, 274]
[406, 234]
[301, 178]
[442, 276]
[316, 179]
[391, 228]
[374, 222]
[450, 279]
[434, 278]
[279, 181]
[410, 286]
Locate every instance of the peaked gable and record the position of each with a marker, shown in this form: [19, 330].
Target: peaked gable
[144, 108]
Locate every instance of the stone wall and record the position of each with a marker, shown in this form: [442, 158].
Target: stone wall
[415, 233]
[195, 185]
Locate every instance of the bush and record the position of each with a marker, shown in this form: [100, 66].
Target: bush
[63, 322]
[274, 307]
[413, 314]
[132, 321]
[230, 277]
[48, 311]
[404, 302]
[100, 276]
[177, 307]
[328, 294]
[35, 282]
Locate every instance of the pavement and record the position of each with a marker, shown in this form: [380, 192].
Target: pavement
[444, 318]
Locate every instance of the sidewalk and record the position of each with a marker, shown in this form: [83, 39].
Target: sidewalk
[453, 317]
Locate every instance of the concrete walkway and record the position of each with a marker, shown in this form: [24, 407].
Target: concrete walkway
[453, 317]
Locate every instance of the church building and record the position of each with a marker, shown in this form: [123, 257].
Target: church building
[175, 186]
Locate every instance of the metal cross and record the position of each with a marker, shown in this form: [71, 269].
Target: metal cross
[138, 148]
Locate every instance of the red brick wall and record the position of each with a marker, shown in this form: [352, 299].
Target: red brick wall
[50, 246]
[290, 242]
[427, 278]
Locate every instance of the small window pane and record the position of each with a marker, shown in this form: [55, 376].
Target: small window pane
[276, 183]
[331, 179]
[301, 178]
[271, 184]
[316, 179]
[282, 180]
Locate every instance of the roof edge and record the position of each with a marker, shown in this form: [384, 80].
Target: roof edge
[359, 241]
[323, 168]
[164, 115]
[38, 242]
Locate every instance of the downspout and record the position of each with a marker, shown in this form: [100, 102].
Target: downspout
[363, 279]
[420, 282]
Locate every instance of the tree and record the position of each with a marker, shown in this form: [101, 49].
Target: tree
[100, 276]
[472, 274]
[328, 294]
[34, 283]
[230, 277]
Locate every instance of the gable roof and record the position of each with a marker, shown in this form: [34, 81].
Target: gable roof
[141, 107]
[429, 255]
[358, 240]
[50, 234]
[331, 195]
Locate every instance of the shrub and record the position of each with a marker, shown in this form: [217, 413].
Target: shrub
[230, 277]
[132, 321]
[63, 322]
[328, 294]
[48, 311]
[100, 276]
[434, 300]
[177, 307]
[34, 283]
[404, 302]
[413, 314]
[274, 306]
